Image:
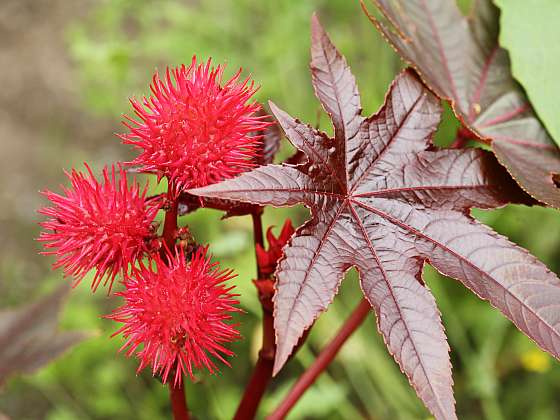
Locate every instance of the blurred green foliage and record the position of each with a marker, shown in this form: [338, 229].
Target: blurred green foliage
[531, 36]
[498, 373]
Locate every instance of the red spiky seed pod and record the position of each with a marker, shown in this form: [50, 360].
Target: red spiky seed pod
[194, 129]
[176, 315]
[103, 226]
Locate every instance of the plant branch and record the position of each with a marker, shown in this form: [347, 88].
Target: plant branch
[178, 401]
[169, 235]
[262, 373]
[170, 225]
[190, 203]
[322, 361]
[462, 138]
[258, 233]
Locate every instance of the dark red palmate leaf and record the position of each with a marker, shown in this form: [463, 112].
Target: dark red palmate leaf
[270, 144]
[385, 200]
[29, 338]
[460, 59]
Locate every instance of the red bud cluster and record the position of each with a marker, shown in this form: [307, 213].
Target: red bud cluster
[194, 130]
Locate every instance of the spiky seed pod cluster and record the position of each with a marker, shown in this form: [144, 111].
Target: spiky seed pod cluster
[176, 315]
[103, 226]
[194, 129]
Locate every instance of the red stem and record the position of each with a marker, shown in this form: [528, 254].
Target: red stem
[258, 234]
[170, 226]
[178, 401]
[463, 137]
[262, 373]
[322, 361]
[176, 393]
[459, 142]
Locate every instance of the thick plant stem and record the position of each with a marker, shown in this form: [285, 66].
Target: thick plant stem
[178, 401]
[262, 373]
[322, 361]
[258, 234]
[170, 225]
[176, 393]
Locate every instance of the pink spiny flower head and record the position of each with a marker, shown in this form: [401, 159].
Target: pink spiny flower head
[176, 315]
[105, 225]
[194, 129]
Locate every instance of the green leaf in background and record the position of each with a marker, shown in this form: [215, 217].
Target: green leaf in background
[530, 31]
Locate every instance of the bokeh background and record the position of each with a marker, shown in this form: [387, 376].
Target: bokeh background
[67, 71]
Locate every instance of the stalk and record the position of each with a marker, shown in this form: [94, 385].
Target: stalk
[322, 361]
[262, 373]
[176, 393]
[178, 401]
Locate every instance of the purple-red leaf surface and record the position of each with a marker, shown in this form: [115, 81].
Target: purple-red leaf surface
[460, 59]
[29, 338]
[385, 200]
[270, 144]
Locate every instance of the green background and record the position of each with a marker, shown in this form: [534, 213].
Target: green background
[69, 71]
[530, 31]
